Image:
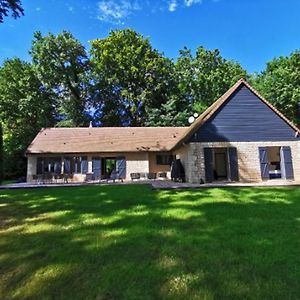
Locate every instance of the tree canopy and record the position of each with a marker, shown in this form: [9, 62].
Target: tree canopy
[13, 7]
[62, 65]
[132, 76]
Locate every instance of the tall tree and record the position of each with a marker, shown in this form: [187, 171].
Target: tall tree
[280, 84]
[62, 64]
[25, 107]
[131, 78]
[206, 76]
[10, 6]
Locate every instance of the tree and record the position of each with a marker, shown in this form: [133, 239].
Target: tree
[130, 78]
[280, 84]
[62, 65]
[1, 153]
[13, 6]
[25, 107]
[172, 113]
[203, 78]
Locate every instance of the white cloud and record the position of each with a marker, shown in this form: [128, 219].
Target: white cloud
[70, 8]
[114, 11]
[173, 5]
[191, 2]
[117, 11]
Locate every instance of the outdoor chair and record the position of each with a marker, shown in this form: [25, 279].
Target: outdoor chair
[58, 177]
[135, 176]
[162, 175]
[67, 177]
[114, 176]
[151, 176]
[143, 176]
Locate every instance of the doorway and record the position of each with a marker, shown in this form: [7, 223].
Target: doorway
[220, 163]
[274, 162]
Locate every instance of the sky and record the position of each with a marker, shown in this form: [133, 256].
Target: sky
[251, 32]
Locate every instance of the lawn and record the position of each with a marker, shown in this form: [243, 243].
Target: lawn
[131, 242]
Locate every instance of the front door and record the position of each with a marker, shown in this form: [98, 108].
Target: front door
[220, 170]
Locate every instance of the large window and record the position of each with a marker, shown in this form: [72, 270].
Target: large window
[48, 165]
[75, 164]
[164, 159]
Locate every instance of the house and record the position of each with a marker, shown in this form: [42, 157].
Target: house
[241, 137]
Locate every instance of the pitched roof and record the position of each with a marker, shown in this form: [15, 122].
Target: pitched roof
[211, 110]
[131, 139]
[105, 139]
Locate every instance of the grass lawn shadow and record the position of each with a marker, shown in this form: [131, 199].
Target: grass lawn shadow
[131, 242]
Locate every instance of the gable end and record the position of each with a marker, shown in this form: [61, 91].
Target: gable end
[244, 116]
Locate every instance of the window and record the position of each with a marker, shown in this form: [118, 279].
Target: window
[75, 164]
[163, 159]
[48, 165]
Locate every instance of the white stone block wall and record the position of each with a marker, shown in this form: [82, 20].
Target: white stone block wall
[248, 159]
[136, 162]
[31, 167]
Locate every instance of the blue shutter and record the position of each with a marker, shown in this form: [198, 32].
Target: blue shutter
[96, 166]
[233, 164]
[263, 159]
[67, 165]
[84, 165]
[208, 161]
[287, 162]
[57, 166]
[121, 167]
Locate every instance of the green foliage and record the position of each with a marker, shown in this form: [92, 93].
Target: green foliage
[25, 107]
[132, 242]
[170, 113]
[280, 84]
[1, 154]
[203, 78]
[13, 6]
[132, 77]
[62, 65]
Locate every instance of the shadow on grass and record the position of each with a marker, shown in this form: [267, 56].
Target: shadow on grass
[130, 242]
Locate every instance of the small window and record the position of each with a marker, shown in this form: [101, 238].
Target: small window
[163, 159]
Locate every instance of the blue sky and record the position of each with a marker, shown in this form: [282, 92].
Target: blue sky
[251, 32]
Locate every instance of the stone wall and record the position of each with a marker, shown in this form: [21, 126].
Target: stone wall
[248, 159]
[136, 162]
[31, 167]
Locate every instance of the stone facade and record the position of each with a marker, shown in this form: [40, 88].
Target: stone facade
[248, 159]
[31, 167]
[136, 162]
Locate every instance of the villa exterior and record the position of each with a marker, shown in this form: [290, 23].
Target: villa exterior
[241, 137]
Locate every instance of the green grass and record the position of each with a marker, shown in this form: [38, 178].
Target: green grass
[130, 242]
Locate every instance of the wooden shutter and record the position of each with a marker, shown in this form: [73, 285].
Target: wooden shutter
[233, 164]
[263, 159]
[208, 161]
[67, 165]
[96, 166]
[84, 165]
[57, 166]
[287, 162]
[121, 167]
